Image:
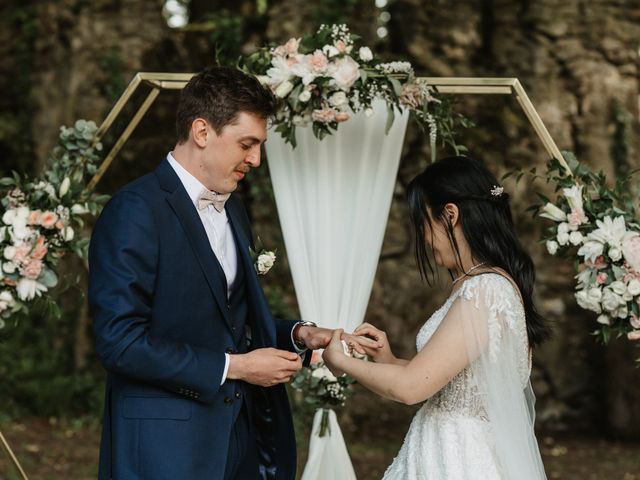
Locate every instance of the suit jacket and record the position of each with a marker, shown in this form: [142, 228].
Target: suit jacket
[157, 294]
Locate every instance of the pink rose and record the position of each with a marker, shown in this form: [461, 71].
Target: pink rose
[22, 254]
[601, 278]
[40, 249]
[318, 61]
[598, 264]
[32, 269]
[341, 46]
[635, 335]
[59, 224]
[34, 217]
[631, 251]
[345, 71]
[291, 47]
[576, 217]
[48, 219]
[342, 116]
[325, 115]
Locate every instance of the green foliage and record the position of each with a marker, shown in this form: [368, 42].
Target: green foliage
[37, 370]
[111, 65]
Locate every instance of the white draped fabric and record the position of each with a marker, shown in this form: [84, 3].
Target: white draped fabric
[328, 456]
[333, 199]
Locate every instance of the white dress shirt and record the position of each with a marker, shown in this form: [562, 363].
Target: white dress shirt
[216, 225]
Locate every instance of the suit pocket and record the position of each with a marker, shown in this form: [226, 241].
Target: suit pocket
[159, 408]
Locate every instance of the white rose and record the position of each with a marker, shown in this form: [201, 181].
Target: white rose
[615, 253]
[324, 372]
[9, 216]
[563, 238]
[552, 247]
[6, 296]
[618, 287]
[67, 234]
[283, 89]
[633, 287]
[576, 238]
[304, 96]
[9, 252]
[9, 267]
[564, 228]
[621, 312]
[604, 320]
[338, 99]
[265, 262]
[552, 212]
[344, 71]
[64, 187]
[365, 54]
[590, 299]
[610, 301]
[330, 51]
[78, 209]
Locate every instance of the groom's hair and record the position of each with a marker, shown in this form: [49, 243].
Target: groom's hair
[219, 95]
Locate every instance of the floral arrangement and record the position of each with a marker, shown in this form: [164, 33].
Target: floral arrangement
[596, 226]
[263, 260]
[323, 80]
[322, 389]
[40, 218]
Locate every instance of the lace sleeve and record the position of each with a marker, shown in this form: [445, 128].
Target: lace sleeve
[494, 328]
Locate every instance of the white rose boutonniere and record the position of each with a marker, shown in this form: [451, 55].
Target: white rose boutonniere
[263, 260]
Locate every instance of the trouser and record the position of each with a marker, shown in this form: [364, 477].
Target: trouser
[242, 458]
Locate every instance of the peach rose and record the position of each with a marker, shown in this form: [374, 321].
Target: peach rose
[635, 335]
[291, 47]
[32, 269]
[341, 46]
[324, 115]
[34, 217]
[59, 224]
[40, 249]
[318, 61]
[22, 254]
[48, 219]
[342, 117]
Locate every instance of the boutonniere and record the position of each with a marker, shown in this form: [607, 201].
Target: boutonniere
[263, 259]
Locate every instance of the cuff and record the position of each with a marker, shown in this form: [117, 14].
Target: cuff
[293, 342]
[226, 368]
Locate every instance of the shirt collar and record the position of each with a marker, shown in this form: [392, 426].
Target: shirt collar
[191, 184]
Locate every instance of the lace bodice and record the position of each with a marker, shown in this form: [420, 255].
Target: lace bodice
[462, 395]
[453, 435]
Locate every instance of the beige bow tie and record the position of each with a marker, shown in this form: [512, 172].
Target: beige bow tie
[216, 199]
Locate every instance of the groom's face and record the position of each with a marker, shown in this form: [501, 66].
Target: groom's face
[230, 154]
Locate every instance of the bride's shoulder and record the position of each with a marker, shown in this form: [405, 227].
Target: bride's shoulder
[489, 285]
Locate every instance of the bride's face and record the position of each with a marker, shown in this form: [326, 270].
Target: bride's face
[436, 236]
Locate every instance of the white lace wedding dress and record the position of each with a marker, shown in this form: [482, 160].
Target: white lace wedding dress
[480, 425]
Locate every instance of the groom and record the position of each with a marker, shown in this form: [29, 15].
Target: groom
[196, 363]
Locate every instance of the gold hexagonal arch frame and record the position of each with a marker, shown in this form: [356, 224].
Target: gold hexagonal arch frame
[445, 85]
[176, 81]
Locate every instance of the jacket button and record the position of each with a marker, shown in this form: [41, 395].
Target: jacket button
[238, 395]
[228, 400]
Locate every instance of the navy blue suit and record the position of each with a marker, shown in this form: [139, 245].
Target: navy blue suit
[163, 322]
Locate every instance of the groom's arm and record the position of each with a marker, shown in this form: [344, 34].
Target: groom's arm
[123, 258]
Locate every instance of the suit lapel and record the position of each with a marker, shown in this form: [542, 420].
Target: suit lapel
[192, 225]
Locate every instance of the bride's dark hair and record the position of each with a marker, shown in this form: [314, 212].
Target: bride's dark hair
[486, 221]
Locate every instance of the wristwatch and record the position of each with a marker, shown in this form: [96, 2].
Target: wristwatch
[304, 323]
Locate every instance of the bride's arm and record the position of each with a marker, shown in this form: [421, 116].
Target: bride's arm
[443, 357]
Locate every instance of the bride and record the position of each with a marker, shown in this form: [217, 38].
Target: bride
[474, 353]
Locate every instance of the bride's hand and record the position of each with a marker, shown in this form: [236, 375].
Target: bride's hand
[334, 355]
[382, 353]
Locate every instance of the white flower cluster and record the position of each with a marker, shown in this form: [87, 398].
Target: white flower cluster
[395, 67]
[26, 238]
[609, 284]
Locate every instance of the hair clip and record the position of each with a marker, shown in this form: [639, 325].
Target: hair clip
[496, 191]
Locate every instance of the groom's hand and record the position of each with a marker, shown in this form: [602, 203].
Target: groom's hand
[313, 337]
[264, 367]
